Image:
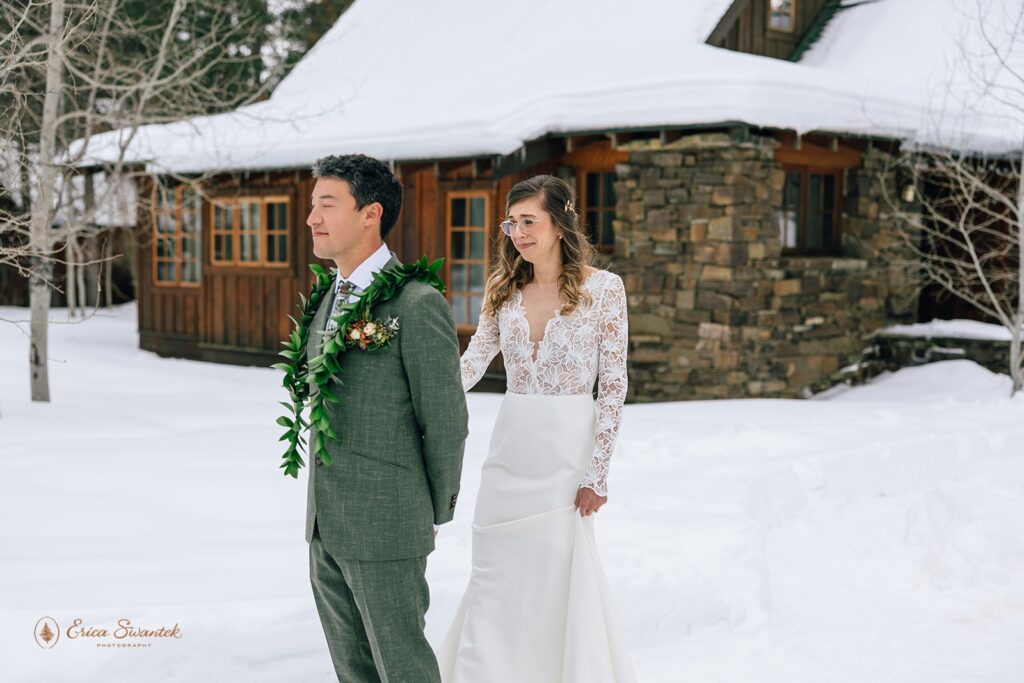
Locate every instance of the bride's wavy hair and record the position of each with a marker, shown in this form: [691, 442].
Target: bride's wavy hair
[510, 271]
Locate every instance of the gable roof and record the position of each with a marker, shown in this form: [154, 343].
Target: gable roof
[458, 78]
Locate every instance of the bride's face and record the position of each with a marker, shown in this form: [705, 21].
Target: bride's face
[534, 234]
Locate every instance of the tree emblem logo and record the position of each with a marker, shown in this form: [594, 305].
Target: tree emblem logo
[47, 633]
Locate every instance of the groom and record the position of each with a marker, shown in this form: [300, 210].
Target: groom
[372, 513]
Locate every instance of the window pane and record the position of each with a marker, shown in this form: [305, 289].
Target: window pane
[787, 229]
[222, 218]
[459, 310]
[282, 248]
[458, 212]
[248, 247]
[190, 271]
[476, 278]
[458, 282]
[475, 304]
[191, 201]
[277, 216]
[788, 215]
[476, 244]
[814, 209]
[458, 245]
[222, 248]
[607, 233]
[593, 190]
[190, 247]
[165, 197]
[271, 248]
[163, 249]
[609, 189]
[164, 223]
[476, 211]
[828, 204]
[250, 217]
[592, 223]
[781, 17]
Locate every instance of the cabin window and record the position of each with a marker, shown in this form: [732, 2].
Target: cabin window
[467, 219]
[809, 215]
[597, 197]
[782, 15]
[177, 224]
[250, 231]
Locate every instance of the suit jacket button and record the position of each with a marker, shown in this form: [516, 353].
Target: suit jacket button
[319, 461]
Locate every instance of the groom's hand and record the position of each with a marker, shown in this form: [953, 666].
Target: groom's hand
[588, 502]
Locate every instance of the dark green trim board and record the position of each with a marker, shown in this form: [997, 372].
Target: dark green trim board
[814, 31]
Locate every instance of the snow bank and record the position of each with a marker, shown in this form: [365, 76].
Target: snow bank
[954, 329]
[874, 536]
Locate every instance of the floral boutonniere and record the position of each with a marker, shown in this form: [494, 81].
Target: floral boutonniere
[371, 334]
[309, 380]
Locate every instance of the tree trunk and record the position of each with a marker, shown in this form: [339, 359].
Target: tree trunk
[42, 208]
[82, 258]
[70, 278]
[108, 271]
[1016, 361]
[90, 250]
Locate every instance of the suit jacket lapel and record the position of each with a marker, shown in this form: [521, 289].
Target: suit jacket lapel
[316, 337]
[316, 329]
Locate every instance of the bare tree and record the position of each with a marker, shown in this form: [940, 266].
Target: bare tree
[72, 69]
[962, 211]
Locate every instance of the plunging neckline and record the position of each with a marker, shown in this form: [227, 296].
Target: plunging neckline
[535, 346]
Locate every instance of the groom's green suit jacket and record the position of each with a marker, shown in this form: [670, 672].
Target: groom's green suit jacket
[402, 425]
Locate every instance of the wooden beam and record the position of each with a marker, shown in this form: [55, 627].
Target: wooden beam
[725, 24]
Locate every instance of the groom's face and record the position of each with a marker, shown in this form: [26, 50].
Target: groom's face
[337, 226]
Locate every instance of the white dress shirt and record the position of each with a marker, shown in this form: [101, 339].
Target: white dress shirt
[362, 276]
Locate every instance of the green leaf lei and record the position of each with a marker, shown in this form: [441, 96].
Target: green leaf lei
[307, 380]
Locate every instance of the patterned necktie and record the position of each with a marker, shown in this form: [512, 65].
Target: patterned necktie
[341, 292]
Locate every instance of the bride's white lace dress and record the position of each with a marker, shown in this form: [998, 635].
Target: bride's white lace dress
[537, 607]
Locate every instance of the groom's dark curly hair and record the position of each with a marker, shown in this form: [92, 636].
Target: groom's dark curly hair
[369, 179]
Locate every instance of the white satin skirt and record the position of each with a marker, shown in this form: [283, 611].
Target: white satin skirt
[537, 608]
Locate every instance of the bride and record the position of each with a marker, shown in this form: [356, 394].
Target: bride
[537, 607]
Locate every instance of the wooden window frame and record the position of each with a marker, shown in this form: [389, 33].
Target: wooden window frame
[235, 231]
[450, 260]
[582, 208]
[792, 19]
[805, 172]
[177, 235]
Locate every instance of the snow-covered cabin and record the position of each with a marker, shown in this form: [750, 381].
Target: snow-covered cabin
[729, 156]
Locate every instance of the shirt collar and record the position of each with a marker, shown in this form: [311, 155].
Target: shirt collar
[362, 276]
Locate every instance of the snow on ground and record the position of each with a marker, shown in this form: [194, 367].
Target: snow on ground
[874, 536]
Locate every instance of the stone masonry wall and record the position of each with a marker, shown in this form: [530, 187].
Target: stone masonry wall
[715, 310]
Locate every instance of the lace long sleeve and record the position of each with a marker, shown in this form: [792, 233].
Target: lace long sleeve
[483, 347]
[611, 383]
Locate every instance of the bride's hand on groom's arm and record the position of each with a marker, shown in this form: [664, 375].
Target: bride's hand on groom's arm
[588, 502]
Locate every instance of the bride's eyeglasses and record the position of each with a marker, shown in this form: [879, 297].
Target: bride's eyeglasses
[508, 225]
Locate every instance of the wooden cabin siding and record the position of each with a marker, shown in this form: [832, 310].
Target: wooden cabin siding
[744, 28]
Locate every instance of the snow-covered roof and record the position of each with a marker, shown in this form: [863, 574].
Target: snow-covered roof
[407, 80]
[960, 62]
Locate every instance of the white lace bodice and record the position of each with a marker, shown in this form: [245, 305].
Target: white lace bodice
[589, 343]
